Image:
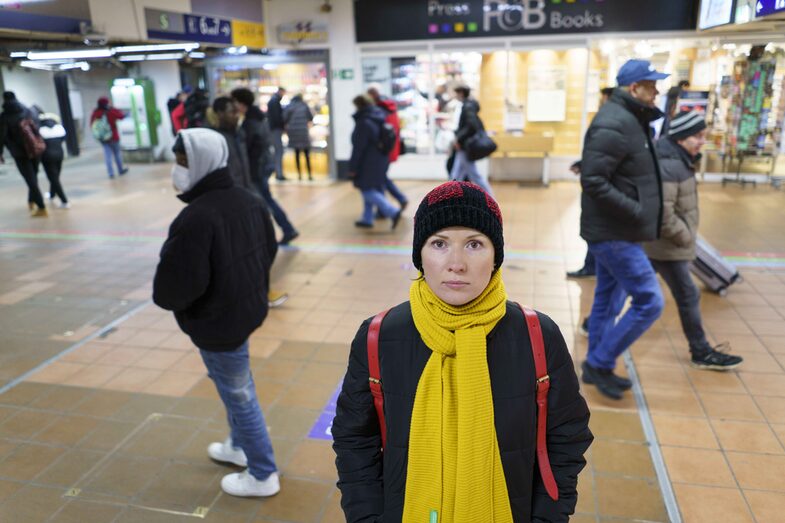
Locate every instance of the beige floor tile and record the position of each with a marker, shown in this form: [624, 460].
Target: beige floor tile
[758, 471]
[172, 383]
[768, 327]
[177, 341]
[768, 507]
[673, 401]
[66, 430]
[313, 459]
[25, 423]
[730, 406]
[626, 459]
[56, 372]
[288, 504]
[701, 504]
[149, 338]
[159, 359]
[28, 460]
[711, 381]
[773, 408]
[32, 504]
[747, 436]
[759, 362]
[630, 498]
[87, 353]
[679, 431]
[764, 384]
[133, 380]
[775, 344]
[663, 377]
[94, 376]
[697, 466]
[77, 511]
[122, 356]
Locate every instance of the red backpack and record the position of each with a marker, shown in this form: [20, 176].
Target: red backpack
[31, 139]
[542, 386]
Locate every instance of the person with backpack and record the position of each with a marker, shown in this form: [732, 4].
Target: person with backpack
[275, 117]
[298, 119]
[459, 405]
[192, 111]
[53, 134]
[19, 133]
[369, 162]
[469, 123]
[103, 123]
[391, 118]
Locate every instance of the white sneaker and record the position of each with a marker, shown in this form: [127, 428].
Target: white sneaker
[243, 484]
[65, 205]
[227, 453]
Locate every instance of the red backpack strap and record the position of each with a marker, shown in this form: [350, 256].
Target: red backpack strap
[374, 373]
[543, 385]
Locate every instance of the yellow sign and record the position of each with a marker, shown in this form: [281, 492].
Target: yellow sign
[248, 33]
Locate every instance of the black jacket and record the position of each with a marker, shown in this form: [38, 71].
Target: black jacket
[214, 270]
[373, 486]
[258, 141]
[469, 122]
[239, 165]
[10, 134]
[275, 112]
[368, 163]
[622, 196]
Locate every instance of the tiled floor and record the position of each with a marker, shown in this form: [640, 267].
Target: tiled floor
[115, 429]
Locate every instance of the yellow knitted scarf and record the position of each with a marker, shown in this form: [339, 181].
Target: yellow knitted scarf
[454, 470]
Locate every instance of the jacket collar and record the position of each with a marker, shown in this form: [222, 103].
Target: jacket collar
[216, 180]
[643, 113]
[254, 113]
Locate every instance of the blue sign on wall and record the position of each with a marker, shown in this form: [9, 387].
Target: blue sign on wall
[208, 29]
[769, 7]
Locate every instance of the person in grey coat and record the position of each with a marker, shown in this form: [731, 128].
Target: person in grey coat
[672, 253]
[297, 118]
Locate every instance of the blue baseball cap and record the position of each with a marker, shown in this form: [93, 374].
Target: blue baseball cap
[637, 70]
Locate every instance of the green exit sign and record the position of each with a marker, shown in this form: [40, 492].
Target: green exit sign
[343, 74]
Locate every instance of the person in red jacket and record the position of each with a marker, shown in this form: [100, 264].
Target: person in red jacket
[391, 117]
[111, 145]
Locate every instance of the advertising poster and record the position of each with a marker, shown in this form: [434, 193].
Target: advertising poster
[546, 99]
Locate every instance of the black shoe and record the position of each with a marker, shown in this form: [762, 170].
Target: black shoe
[287, 238]
[603, 379]
[124, 171]
[403, 204]
[584, 272]
[396, 219]
[620, 381]
[584, 328]
[363, 225]
[716, 359]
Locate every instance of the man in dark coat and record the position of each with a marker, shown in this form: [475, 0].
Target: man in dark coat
[228, 125]
[469, 123]
[672, 254]
[214, 275]
[275, 116]
[390, 109]
[11, 137]
[621, 206]
[368, 164]
[260, 159]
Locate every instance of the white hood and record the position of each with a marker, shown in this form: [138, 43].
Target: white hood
[206, 151]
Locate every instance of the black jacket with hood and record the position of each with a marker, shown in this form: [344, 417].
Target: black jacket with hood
[622, 194]
[373, 483]
[368, 163]
[214, 270]
[469, 122]
[10, 133]
[258, 139]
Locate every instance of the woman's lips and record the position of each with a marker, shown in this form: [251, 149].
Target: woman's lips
[456, 285]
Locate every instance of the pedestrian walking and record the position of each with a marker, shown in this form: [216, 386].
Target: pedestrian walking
[228, 120]
[368, 164]
[103, 123]
[469, 123]
[214, 274]
[671, 255]
[453, 385]
[275, 116]
[19, 134]
[390, 117]
[53, 134]
[260, 157]
[298, 120]
[621, 207]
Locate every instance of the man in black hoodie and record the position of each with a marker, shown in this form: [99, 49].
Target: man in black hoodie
[228, 125]
[275, 114]
[11, 137]
[214, 275]
[260, 158]
[621, 207]
[469, 123]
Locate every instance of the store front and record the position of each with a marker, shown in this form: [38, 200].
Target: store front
[299, 72]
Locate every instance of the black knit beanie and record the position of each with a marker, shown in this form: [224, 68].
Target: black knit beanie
[458, 204]
[686, 124]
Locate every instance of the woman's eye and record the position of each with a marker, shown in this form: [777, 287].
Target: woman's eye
[439, 244]
[474, 244]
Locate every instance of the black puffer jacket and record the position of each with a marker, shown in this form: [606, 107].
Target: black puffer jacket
[373, 486]
[622, 196]
[10, 133]
[239, 165]
[275, 112]
[214, 270]
[259, 141]
[469, 122]
[368, 163]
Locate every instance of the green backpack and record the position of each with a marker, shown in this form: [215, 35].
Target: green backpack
[102, 131]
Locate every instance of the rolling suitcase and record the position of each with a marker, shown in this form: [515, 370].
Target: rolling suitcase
[712, 269]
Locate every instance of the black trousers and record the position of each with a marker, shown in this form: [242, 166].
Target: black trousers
[687, 295]
[307, 153]
[29, 170]
[52, 169]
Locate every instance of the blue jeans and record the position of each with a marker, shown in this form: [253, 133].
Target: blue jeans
[231, 373]
[278, 152]
[622, 270]
[375, 198]
[465, 170]
[396, 193]
[112, 149]
[263, 186]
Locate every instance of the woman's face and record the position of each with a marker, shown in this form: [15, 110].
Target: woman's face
[457, 264]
